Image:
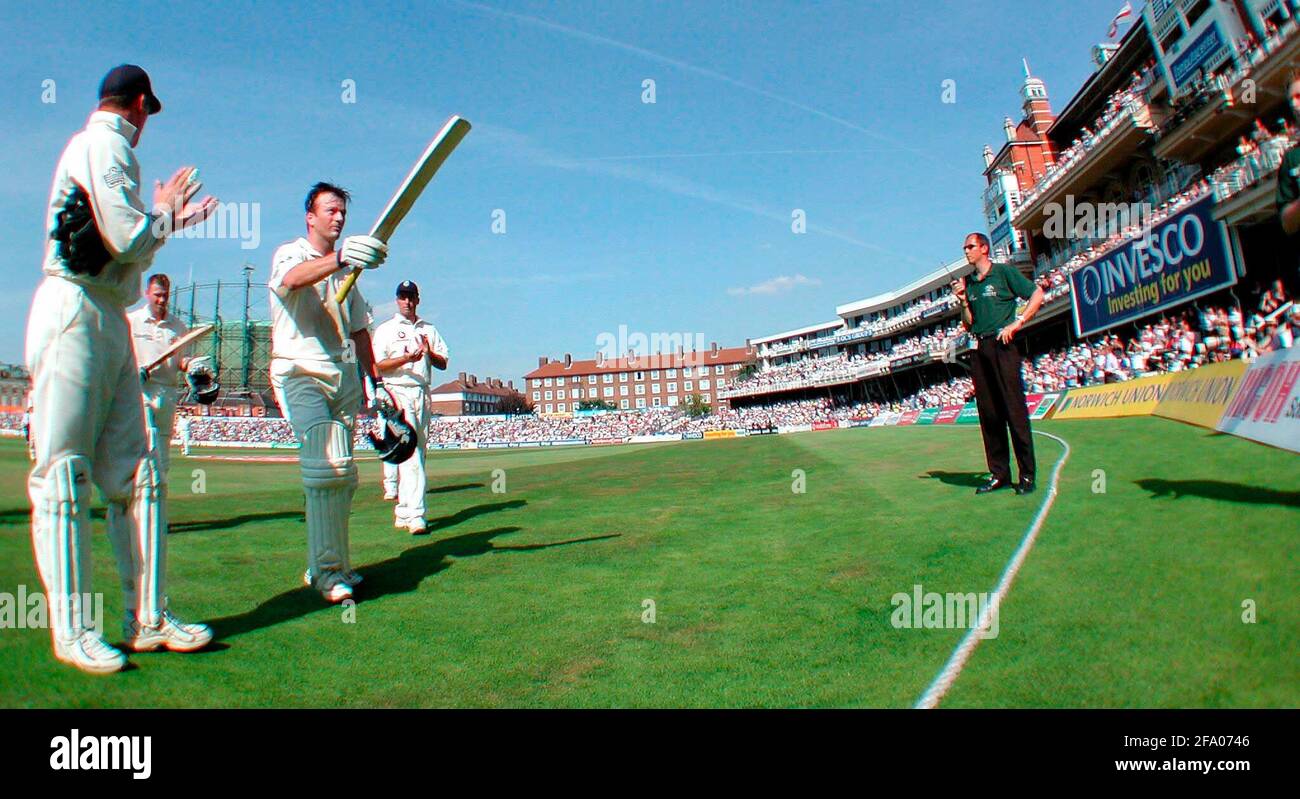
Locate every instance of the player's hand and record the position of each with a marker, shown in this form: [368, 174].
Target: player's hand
[1007, 333]
[194, 213]
[362, 252]
[179, 189]
[958, 291]
[415, 356]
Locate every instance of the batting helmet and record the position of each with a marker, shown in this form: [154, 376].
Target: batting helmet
[399, 439]
[203, 382]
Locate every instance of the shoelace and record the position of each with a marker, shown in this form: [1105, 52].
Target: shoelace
[97, 647]
[169, 619]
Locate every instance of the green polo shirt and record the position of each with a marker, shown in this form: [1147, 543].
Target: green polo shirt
[1288, 178]
[993, 299]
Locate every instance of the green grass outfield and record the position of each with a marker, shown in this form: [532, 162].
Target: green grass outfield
[763, 597]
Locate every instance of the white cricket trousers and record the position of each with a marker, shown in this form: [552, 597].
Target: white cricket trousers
[410, 477]
[321, 399]
[159, 419]
[87, 426]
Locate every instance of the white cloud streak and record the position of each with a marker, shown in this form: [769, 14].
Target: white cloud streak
[650, 55]
[782, 284]
[522, 146]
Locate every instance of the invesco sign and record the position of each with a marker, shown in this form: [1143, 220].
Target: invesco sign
[1182, 258]
[1169, 245]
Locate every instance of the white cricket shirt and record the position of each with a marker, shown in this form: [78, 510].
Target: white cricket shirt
[151, 338]
[303, 325]
[398, 336]
[100, 160]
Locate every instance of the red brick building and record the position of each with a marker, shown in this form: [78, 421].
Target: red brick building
[469, 396]
[1019, 164]
[635, 382]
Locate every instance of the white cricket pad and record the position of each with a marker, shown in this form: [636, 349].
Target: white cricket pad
[61, 540]
[138, 532]
[329, 478]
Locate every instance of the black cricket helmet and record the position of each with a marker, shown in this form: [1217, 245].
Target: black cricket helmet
[203, 384]
[398, 438]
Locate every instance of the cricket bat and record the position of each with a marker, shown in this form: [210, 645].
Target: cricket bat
[176, 346]
[407, 193]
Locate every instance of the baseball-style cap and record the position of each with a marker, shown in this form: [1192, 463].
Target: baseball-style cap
[407, 287]
[128, 80]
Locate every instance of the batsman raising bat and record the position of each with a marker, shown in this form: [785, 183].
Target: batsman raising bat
[316, 345]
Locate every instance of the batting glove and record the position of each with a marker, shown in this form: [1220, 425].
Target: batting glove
[362, 252]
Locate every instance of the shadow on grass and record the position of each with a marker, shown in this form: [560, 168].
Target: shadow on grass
[400, 575]
[964, 479]
[469, 513]
[233, 521]
[449, 489]
[24, 515]
[1218, 489]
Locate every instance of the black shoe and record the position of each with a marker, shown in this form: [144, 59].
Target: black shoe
[992, 485]
[1025, 486]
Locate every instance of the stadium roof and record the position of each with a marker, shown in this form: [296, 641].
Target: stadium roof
[927, 282]
[723, 355]
[799, 331]
[1087, 103]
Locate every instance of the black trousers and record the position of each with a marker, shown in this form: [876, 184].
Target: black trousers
[1000, 398]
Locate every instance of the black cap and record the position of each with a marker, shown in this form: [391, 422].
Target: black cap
[128, 80]
[407, 287]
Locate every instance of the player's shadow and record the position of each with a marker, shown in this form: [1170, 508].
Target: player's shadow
[449, 489]
[964, 479]
[24, 515]
[233, 521]
[1219, 489]
[466, 514]
[400, 575]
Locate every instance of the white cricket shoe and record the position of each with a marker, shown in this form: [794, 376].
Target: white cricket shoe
[417, 526]
[350, 577]
[339, 593]
[91, 653]
[169, 633]
[390, 496]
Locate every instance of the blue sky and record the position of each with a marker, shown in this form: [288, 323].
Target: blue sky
[666, 217]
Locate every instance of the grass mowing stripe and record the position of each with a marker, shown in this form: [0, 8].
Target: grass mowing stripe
[957, 661]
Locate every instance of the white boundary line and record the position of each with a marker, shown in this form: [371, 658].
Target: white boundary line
[957, 661]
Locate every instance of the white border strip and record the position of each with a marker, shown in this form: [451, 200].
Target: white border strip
[957, 661]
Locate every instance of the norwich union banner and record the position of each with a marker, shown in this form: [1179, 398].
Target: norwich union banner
[1130, 398]
[1186, 256]
[1200, 396]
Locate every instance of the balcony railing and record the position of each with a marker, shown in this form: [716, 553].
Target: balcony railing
[869, 369]
[1218, 92]
[1132, 111]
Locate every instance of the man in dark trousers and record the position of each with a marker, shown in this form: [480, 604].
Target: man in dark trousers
[988, 310]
